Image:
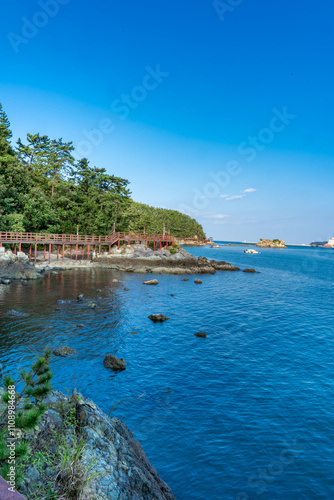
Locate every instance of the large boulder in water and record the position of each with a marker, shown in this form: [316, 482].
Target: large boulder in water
[151, 282]
[114, 363]
[158, 318]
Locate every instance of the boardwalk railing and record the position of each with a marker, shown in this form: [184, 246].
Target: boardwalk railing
[41, 238]
[79, 239]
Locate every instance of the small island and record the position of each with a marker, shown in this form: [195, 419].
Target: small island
[265, 243]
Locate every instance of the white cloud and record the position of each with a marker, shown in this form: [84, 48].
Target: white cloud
[235, 197]
[249, 190]
[215, 216]
[224, 196]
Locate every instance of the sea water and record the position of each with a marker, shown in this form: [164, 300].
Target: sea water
[246, 413]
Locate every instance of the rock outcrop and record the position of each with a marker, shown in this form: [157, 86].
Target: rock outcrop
[265, 243]
[16, 267]
[139, 259]
[115, 462]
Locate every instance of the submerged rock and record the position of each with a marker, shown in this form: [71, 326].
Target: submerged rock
[91, 305]
[158, 318]
[151, 282]
[249, 271]
[126, 289]
[63, 351]
[114, 363]
[19, 314]
[203, 335]
[80, 297]
[185, 279]
[198, 282]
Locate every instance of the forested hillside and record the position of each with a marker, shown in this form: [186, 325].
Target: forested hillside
[43, 188]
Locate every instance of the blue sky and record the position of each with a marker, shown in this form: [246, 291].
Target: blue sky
[174, 95]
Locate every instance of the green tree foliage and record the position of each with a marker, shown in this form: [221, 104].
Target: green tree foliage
[140, 216]
[43, 189]
[20, 410]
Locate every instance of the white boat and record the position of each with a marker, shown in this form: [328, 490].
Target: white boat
[251, 250]
[330, 243]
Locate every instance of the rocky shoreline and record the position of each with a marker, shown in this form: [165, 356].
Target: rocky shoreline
[111, 458]
[131, 258]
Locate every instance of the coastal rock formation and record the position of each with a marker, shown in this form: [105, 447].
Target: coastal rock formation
[250, 271]
[114, 363]
[130, 258]
[15, 267]
[198, 282]
[158, 318]
[265, 243]
[63, 351]
[223, 266]
[140, 259]
[117, 464]
[151, 282]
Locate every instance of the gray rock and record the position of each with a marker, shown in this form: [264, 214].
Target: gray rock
[249, 271]
[223, 266]
[126, 289]
[6, 282]
[80, 297]
[63, 351]
[151, 282]
[114, 363]
[158, 318]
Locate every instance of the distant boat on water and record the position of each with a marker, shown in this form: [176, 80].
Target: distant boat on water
[251, 250]
[330, 243]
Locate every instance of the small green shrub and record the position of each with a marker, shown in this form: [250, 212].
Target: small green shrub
[21, 410]
[173, 250]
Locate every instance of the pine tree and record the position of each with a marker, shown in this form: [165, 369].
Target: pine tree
[25, 397]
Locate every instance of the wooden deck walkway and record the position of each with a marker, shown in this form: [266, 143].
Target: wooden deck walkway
[85, 241]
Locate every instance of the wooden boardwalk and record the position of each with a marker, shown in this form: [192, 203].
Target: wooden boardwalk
[75, 240]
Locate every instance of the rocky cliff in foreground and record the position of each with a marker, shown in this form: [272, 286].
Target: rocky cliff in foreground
[111, 464]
